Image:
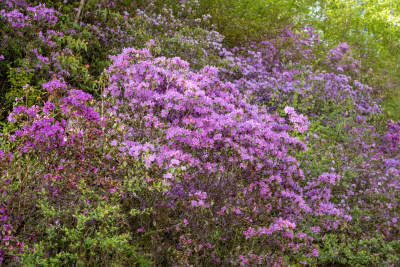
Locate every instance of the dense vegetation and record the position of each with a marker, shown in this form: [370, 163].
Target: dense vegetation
[199, 133]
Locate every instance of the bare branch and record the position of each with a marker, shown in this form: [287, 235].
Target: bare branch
[81, 6]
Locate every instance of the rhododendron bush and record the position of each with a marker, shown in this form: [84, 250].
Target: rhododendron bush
[230, 165]
[42, 40]
[279, 71]
[185, 152]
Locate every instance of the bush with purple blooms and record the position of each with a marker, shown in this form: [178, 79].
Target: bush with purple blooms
[42, 40]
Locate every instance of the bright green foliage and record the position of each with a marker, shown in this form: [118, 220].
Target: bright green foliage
[241, 21]
[371, 28]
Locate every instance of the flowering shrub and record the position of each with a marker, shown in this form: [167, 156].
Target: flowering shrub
[58, 197]
[230, 165]
[367, 190]
[35, 48]
[339, 107]
[42, 41]
[279, 72]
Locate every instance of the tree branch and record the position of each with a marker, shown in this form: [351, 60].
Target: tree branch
[81, 6]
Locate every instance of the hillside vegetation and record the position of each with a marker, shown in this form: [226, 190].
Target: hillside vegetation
[199, 133]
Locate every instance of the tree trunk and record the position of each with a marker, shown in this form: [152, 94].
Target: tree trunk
[81, 6]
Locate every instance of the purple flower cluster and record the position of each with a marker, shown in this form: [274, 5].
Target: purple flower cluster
[18, 19]
[339, 59]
